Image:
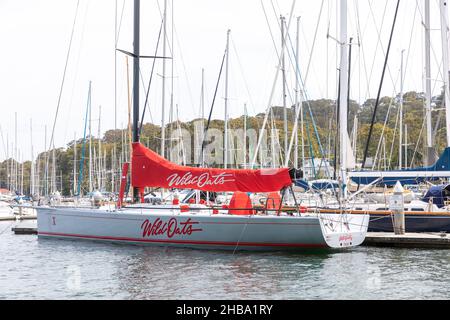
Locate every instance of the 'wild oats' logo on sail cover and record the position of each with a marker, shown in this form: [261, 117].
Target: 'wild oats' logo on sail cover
[169, 228]
[204, 179]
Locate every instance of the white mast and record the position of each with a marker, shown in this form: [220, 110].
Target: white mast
[272, 139]
[115, 103]
[343, 99]
[163, 107]
[406, 146]
[54, 188]
[172, 78]
[115, 68]
[400, 136]
[21, 173]
[283, 73]
[46, 163]
[225, 161]
[445, 65]
[245, 135]
[99, 168]
[90, 149]
[37, 180]
[113, 171]
[32, 191]
[297, 89]
[202, 111]
[430, 154]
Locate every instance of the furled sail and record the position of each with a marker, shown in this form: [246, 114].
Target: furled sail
[151, 170]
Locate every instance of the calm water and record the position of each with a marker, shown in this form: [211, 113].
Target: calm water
[62, 269]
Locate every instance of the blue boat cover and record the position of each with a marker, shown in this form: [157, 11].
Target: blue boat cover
[438, 195]
[302, 183]
[442, 164]
[317, 184]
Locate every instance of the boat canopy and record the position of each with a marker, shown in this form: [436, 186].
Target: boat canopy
[151, 170]
[321, 184]
[440, 169]
[438, 195]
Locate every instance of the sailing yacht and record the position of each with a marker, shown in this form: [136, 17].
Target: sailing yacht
[200, 226]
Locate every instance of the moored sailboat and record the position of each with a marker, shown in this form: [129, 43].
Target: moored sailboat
[199, 225]
[202, 226]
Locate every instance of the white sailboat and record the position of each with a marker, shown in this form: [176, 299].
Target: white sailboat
[198, 225]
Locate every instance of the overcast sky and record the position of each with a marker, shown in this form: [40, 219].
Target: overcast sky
[35, 38]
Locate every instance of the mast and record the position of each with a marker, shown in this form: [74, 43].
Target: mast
[172, 78]
[406, 146]
[32, 160]
[113, 168]
[115, 100]
[99, 168]
[163, 106]
[46, 163]
[400, 136]
[343, 100]
[225, 161]
[136, 81]
[21, 173]
[202, 114]
[94, 169]
[430, 149]
[38, 181]
[54, 188]
[245, 136]
[445, 64]
[11, 163]
[272, 139]
[283, 73]
[115, 68]
[90, 148]
[297, 88]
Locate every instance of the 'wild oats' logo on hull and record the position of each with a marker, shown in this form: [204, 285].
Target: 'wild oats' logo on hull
[169, 228]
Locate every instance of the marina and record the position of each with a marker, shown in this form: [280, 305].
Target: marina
[273, 188]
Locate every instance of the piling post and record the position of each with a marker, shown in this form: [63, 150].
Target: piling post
[396, 205]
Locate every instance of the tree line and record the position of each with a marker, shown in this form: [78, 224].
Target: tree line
[319, 134]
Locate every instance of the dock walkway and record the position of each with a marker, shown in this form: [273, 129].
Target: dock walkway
[408, 240]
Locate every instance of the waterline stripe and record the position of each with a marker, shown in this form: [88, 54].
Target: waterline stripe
[223, 243]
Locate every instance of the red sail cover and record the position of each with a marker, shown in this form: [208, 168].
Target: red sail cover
[151, 170]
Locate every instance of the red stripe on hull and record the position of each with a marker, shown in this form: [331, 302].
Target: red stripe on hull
[221, 243]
